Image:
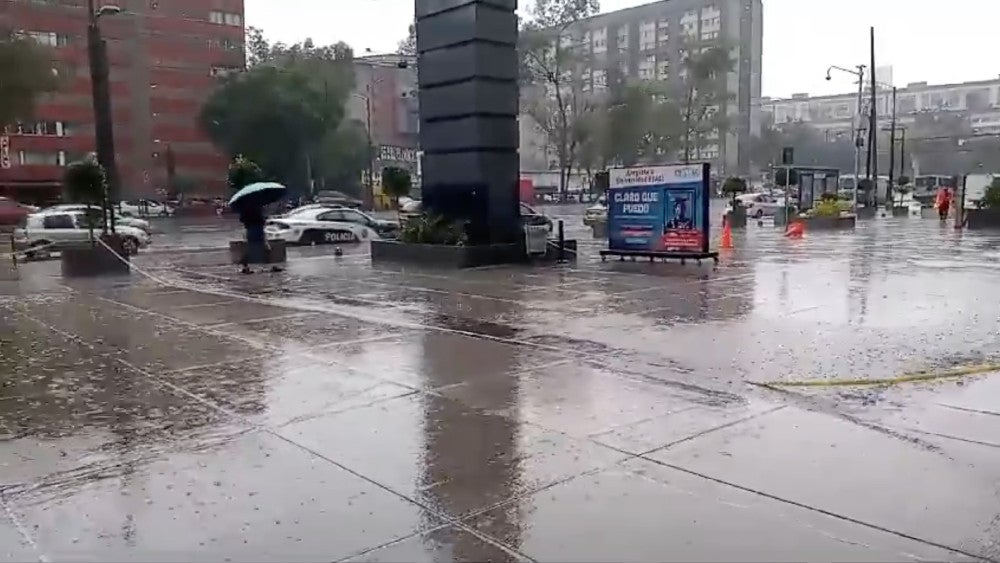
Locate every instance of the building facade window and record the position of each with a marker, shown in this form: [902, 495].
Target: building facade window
[647, 68]
[600, 80]
[647, 36]
[37, 158]
[663, 32]
[48, 38]
[623, 38]
[225, 18]
[41, 128]
[663, 70]
[600, 41]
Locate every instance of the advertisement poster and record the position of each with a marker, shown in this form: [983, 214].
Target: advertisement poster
[659, 209]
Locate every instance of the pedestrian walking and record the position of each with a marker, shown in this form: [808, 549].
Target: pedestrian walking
[943, 202]
[256, 248]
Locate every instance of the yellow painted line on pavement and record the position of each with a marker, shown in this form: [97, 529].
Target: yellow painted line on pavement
[913, 377]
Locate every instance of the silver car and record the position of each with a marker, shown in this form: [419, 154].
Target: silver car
[49, 230]
[125, 218]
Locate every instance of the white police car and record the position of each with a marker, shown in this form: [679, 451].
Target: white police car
[329, 226]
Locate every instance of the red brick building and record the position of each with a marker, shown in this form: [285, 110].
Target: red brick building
[165, 58]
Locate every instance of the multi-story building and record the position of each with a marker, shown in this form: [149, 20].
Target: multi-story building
[649, 43]
[385, 98]
[165, 57]
[979, 101]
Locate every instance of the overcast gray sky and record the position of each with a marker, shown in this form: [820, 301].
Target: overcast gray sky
[950, 41]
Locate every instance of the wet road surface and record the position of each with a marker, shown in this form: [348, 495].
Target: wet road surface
[615, 411]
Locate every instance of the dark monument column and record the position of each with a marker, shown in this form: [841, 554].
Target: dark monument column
[468, 74]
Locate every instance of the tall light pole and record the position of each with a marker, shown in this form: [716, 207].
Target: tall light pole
[856, 133]
[369, 195]
[104, 135]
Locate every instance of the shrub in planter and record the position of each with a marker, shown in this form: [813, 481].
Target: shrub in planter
[732, 187]
[86, 182]
[433, 229]
[242, 173]
[396, 183]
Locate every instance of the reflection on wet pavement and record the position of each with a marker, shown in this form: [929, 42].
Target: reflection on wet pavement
[340, 411]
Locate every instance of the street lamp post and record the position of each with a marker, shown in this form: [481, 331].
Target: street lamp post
[369, 195]
[104, 137]
[860, 73]
[892, 152]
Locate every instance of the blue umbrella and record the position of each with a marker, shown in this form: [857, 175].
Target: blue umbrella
[257, 195]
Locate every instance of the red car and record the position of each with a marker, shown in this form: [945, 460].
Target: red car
[13, 213]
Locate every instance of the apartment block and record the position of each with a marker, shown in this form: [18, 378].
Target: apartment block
[649, 43]
[166, 57]
[978, 100]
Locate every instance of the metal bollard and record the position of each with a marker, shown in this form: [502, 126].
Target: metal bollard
[562, 243]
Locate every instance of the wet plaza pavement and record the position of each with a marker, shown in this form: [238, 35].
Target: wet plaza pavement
[592, 412]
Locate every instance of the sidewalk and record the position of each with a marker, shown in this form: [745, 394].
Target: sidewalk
[586, 414]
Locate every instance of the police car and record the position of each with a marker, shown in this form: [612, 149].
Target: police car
[326, 225]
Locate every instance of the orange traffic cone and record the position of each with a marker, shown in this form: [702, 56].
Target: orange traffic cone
[795, 229]
[726, 243]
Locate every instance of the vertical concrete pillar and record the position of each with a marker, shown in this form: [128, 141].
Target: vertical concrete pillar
[468, 70]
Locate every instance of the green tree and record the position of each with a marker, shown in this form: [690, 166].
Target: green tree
[704, 75]
[85, 182]
[27, 72]
[242, 173]
[281, 111]
[396, 183]
[342, 158]
[734, 186]
[408, 46]
[549, 55]
[643, 125]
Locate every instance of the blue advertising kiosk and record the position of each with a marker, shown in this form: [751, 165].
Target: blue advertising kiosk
[659, 212]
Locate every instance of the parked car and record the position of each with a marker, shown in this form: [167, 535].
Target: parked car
[145, 208]
[329, 226]
[13, 213]
[307, 208]
[529, 216]
[597, 213]
[57, 228]
[758, 205]
[123, 218]
[333, 197]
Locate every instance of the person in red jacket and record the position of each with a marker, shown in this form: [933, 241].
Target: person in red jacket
[943, 202]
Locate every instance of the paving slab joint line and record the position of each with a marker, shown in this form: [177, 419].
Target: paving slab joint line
[914, 377]
[180, 390]
[819, 510]
[22, 530]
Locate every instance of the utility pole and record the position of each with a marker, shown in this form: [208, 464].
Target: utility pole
[873, 125]
[369, 198]
[856, 135]
[892, 151]
[902, 154]
[104, 135]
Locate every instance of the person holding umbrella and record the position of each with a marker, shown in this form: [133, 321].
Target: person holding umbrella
[249, 203]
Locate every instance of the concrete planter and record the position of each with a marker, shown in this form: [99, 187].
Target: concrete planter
[781, 216]
[867, 213]
[88, 260]
[978, 219]
[276, 252]
[600, 230]
[737, 218]
[829, 223]
[443, 256]
[929, 213]
[900, 211]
